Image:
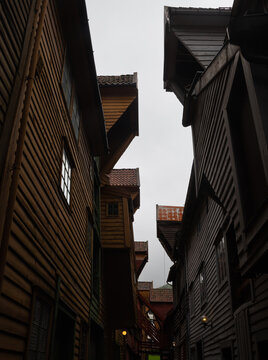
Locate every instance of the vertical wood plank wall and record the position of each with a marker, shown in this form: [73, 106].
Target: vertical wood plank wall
[48, 237]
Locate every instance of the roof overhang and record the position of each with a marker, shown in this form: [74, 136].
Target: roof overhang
[188, 45]
[166, 233]
[141, 256]
[124, 129]
[79, 43]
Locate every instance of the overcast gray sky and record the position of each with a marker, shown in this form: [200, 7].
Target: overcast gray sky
[127, 37]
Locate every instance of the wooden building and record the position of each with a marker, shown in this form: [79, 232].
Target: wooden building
[120, 198]
[52, 132]
[169, 223]
[216, 64]
[154, 320]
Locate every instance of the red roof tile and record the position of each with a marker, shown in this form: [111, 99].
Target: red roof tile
[117, 80]
[124, 177]
[169, 213]
[141, 246]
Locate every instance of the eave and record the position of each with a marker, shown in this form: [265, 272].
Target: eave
[166, 232]
[122, 131]
[193, 36]
[82, 61]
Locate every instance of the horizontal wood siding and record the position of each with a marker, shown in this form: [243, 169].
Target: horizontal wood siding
[48, 237]
[114, 107]
[212, 159]
[13, 22]
[112, 227]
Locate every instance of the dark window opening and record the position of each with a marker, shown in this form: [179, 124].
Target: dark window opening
[250, 170]
[113, 209]
[226, 353]
[221, 261]
[71, 100]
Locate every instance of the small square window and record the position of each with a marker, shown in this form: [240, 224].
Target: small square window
[66, 173]
[112, 209]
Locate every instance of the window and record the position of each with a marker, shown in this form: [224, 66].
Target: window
[66, 172]
[221, 261]
[70, 97]
[202, 286]
[112, 209]
[67, 82]
[38, 343]
[75, 118]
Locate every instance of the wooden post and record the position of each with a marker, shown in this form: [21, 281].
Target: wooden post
[20, 143]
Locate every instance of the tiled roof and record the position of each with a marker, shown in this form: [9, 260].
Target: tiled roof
[141, 246]
[169, 213]
[124, 177]
[117, 80]
[161, 295]
[145, 285]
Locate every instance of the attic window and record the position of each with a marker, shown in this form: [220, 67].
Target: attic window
[112, 209]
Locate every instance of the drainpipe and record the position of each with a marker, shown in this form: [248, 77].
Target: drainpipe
[42, 5]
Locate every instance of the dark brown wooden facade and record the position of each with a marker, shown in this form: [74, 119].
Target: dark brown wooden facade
[120, 198]
[221, 249]
[51, 131]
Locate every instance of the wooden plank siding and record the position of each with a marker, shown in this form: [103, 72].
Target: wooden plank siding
[13, 22]
[112, 227]
[213, 158]
[48, 236]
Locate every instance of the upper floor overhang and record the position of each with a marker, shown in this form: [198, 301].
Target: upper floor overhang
[120, 105]
[168, 220]
[141, 256]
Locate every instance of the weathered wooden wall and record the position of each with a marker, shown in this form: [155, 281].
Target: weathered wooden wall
[48, 237]
[214, 159]
[112, 227]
